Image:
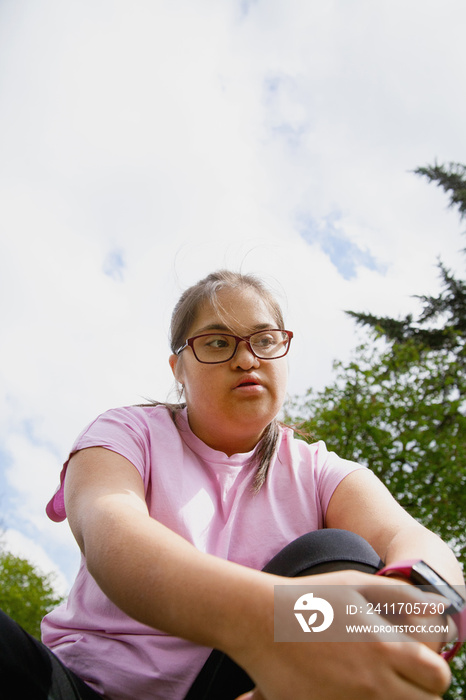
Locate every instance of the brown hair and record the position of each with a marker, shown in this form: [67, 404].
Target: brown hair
[184, 313]
[206, 290]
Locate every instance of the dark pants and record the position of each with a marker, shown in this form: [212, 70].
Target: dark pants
[317, 552]
[28, 669]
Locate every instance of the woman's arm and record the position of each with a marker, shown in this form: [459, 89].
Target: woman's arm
[150, 572]
[160, 579]
[362, 504]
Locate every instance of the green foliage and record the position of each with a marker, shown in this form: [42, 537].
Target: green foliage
[402, 413]
[26, 594]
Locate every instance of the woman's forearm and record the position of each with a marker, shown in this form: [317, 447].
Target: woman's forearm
[151, 573]
[361, 503]
[417, 542]
[160, 579]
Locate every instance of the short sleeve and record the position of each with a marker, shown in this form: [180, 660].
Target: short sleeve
[121, 430]
[330, 472]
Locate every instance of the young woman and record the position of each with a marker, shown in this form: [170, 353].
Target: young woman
[177, 509]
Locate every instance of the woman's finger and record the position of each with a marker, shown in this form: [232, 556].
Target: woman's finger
[251, 695]
[420, 665]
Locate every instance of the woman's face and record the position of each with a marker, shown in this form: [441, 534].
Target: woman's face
[230, 404]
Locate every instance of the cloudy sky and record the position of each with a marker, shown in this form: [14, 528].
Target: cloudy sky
[145, 143]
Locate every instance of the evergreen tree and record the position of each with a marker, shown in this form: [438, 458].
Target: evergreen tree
[442, 321]
[452, 178]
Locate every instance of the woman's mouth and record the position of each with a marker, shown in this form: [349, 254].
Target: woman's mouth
[249, 385]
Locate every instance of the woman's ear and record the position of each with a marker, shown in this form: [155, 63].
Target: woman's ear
[176, 366]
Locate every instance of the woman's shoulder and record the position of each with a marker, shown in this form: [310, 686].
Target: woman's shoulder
[123, 423]
[300, 442]
[312, 448]
[140, 413]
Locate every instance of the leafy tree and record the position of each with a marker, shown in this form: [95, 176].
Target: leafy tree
[401, 412]
[26, 594]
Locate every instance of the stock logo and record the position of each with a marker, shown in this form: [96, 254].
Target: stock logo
[307, 603]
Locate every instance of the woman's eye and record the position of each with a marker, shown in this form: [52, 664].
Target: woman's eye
[216, 343]
[265, 341]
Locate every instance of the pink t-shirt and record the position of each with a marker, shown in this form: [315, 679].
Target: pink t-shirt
[206, 497]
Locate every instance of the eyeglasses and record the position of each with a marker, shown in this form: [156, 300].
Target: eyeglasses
[214, 348]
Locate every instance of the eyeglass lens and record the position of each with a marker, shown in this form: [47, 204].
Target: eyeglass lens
[217, 347]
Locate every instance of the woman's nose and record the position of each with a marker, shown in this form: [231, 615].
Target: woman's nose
[244, 357]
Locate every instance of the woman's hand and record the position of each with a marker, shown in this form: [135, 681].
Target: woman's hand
[404, 669]
[341, 671]
[382, 674]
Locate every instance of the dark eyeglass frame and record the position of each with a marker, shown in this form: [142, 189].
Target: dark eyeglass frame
[238, 339]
